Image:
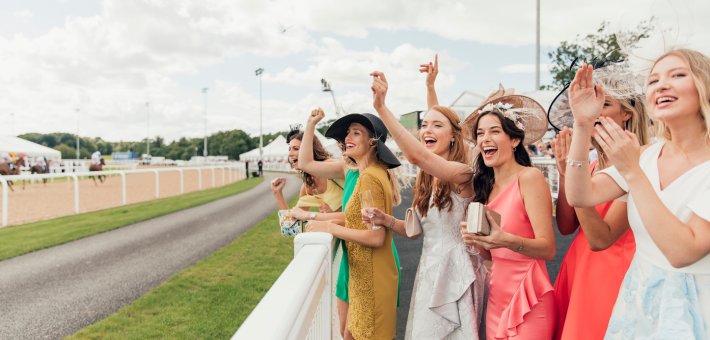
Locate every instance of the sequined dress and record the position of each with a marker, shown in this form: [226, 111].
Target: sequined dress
[451, 286]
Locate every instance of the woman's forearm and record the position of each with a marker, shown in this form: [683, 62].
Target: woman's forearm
[280, 201]
[679, 243]
[431, 99]
[564, 213]
[599, 233]
[330, 170]
[537, 248]
[578, 180]
[400, 227]
[373, 239]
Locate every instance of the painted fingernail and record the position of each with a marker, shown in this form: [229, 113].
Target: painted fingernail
[430, 63]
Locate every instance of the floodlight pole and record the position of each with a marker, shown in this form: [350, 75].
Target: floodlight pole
[261, 151]
[78, 147]
[204, 151]
[537, 49]
[326, 88]
[147, 139]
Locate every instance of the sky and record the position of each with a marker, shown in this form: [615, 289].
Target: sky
[110, 68]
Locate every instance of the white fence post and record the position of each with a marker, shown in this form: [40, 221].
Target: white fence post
[182, 187]
[300, 299]
[157, 184]
[4, 201]
[76, 193]
[199, 177]
[212, 168]
[123, 180]
[222, 176]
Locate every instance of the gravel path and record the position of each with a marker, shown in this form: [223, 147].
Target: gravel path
[54, 292]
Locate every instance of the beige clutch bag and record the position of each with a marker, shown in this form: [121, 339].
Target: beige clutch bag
[477, 222]
[411, 223]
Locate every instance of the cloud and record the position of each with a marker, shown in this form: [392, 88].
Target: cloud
[24, 15]
[523, 68]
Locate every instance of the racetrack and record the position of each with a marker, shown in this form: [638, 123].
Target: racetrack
[38, 202]
[54, 292]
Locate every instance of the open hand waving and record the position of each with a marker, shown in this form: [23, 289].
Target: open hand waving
[586, 100]
[379, 89]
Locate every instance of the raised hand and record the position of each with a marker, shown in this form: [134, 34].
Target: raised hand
[621, 146]
[379, 89]
[316, 116]
[560, 147]
[586, 103]
[431, 70]
[278, 184]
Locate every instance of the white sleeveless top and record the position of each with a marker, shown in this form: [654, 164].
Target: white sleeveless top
[688, 194]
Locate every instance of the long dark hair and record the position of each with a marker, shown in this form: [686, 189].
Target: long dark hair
[319, 154]
[425, 181]
[484, 177]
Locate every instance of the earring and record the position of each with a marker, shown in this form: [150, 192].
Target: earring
[513, 149]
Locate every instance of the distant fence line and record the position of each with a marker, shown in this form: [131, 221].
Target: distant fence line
[234, 169]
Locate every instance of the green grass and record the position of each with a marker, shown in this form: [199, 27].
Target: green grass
[25, 238]
[209, 300]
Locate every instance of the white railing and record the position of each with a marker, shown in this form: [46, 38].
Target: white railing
[229, 168]
[300, 303]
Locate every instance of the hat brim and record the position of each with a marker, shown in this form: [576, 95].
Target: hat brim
[534, 119]
[560, 113]
[339, 130]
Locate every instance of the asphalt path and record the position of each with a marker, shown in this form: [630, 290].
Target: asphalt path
[57, 291]
[410, 251]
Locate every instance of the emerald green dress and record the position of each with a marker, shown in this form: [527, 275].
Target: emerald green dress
[341, 290]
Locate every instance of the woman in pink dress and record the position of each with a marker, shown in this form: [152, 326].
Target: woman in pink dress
[597, 260]
[521, 304]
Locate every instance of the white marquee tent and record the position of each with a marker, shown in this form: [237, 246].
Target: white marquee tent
[278, 149]
[32, 150]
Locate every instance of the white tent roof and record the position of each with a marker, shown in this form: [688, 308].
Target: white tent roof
[15, 144]
[278, 149]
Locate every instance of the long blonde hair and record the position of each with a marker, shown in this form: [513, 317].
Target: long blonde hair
[699, 65]
[637, 124]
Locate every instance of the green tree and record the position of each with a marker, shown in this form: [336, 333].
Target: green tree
[599, 45]
[67, 151]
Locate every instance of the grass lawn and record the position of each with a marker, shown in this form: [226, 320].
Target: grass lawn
[25, 238]
[209, 300]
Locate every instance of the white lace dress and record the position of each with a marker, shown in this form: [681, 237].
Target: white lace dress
[451, 287]
[656, 300]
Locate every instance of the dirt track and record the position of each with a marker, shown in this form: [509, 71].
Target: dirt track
[37, 202]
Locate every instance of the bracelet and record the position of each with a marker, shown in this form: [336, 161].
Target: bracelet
[391, 224]
[400, 133]
[574, 163]
[522, 243]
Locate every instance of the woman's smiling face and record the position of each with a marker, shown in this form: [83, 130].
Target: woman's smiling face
[671, 92]
[293, 147]
[357, 141]
[436, 133]
[495, 145]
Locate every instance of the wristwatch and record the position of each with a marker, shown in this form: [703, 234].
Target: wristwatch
[313, 215]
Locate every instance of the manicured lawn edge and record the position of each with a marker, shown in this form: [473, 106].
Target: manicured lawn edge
[209, 300]
[25, 238]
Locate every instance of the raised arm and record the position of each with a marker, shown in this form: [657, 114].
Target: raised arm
[581, 189]
[277, 186]
[432, 71]
[329, 170]
[414, 151]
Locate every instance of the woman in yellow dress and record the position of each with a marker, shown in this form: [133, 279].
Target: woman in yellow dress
[372, 313]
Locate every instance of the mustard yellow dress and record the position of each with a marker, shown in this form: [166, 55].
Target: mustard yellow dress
[373, 271]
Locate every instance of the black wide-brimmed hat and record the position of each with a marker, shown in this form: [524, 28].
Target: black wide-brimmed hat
[339, 130]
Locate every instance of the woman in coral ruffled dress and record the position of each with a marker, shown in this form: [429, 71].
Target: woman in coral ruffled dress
[521, 304]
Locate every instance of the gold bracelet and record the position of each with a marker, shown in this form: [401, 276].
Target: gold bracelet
[522, 243]
[400, 134]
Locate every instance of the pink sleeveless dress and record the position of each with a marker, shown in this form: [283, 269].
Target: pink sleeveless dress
[521, 304]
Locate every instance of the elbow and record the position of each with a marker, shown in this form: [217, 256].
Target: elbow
[415, 159]
[416, 237]
[574, 201]
[597, 246]
[550, 254]
[378, 244]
